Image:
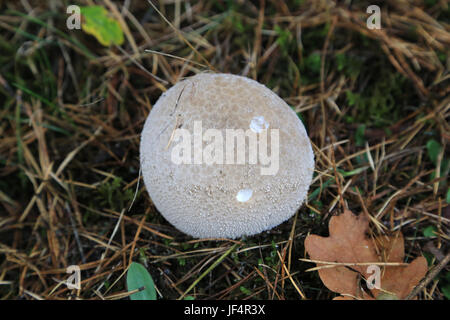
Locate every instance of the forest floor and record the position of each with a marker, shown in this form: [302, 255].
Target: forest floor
[375, 104]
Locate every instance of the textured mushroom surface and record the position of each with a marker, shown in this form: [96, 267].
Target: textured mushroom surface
[224, 200]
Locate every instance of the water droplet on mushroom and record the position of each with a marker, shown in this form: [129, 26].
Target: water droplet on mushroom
[244, 195]
[258, 124]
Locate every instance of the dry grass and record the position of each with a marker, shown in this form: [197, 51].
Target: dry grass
[72, 112]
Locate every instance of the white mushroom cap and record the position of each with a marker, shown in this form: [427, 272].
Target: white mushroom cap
[224, 200]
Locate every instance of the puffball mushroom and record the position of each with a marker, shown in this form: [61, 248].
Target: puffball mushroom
[220, 198]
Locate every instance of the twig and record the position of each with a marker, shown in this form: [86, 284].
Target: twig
[431, 275]
[329, 264]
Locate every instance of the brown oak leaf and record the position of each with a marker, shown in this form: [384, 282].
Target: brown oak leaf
[348, 243]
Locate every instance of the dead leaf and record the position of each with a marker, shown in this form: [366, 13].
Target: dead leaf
[348, 243]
